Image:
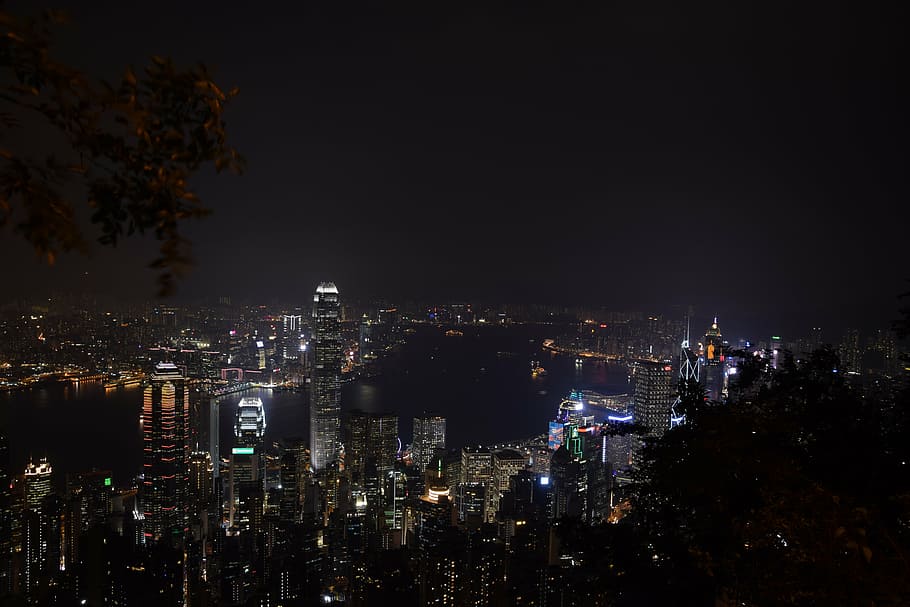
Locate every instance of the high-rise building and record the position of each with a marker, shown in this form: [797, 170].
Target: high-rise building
[851, 357]
[6, 519]
[37, 483]
[291, 331]
[370, 441]
[688, 371]
[295, 459]
[654, 397]
[37, 537]
[506, 464]
[201, 484]
[712, 371]
[325, 385]
[165, 417]
[429, 435]
[247, 469]
[476, 465]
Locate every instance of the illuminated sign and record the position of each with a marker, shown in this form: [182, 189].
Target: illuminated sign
[107, 481]
[242, 451]
[555, 436]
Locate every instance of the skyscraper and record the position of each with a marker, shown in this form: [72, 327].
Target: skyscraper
[165, 417]
[712, 372]
[325, 385]
[37, 539]
[247, 472]
[370, 445]
[291, 327]
[429, 435]
[6, 518]
[654, 396]
[688, 371]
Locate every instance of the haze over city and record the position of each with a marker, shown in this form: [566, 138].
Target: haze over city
[742, 160]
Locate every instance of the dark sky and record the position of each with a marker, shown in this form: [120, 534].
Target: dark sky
[745, 158]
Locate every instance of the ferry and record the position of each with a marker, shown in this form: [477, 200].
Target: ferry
[132, 379]
[537, 370]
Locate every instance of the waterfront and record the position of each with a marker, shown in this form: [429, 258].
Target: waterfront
[481, 381]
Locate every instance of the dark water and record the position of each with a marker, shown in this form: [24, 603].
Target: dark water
[480, 381]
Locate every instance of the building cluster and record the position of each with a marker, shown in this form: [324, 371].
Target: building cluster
[349, 514]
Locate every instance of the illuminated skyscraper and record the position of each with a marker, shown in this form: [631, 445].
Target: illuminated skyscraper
[654, 397]
[247, 458]
[291, 328]
[325, 385]
[688, 371]
[712, 372]
[429, 435]
[37, 538]
[37, 483]
[165, 417]
[506, 464]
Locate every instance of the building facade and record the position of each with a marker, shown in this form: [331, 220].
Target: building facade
[165, 421]
[325, 386]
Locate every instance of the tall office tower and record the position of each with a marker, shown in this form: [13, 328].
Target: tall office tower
[91, 495]
[355, 436]
[654, 397]
[599, 477]
[165, 482]
[6, 519]
[325, 385]
[291, 329]
[294, 464]
[88, 506]
[568, 478]
[37, 483]
[850, 354]
[429, 435]
[214, 442]
[506, 464]
[688, 371]
[476, 465]
[36, 540]
[394, 492]
[370, 452]
[201, 484]
[383, 445]
[712, 372]
[247, 470]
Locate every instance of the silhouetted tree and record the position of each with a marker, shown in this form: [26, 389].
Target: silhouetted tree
[798, 494]
[127, 149]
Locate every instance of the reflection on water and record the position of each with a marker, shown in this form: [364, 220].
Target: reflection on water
[487, 397]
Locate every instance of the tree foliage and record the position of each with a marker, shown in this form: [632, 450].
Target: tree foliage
[796, 494]
[129, 148]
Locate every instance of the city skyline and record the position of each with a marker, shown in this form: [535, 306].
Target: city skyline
[438, 304]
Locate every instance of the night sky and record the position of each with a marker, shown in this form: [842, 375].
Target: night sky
[745, 158]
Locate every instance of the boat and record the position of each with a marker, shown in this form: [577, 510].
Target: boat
[536, 369]
[454, 333]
